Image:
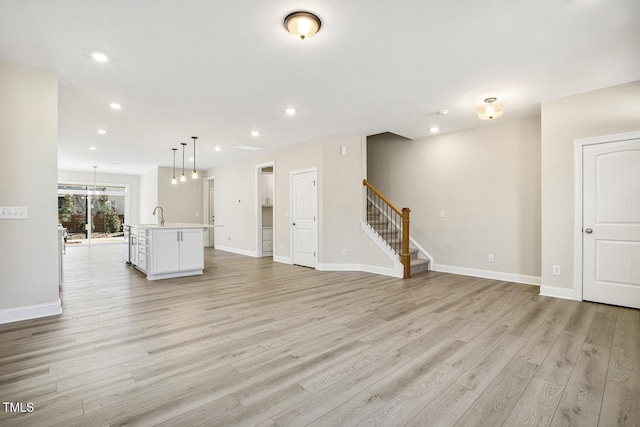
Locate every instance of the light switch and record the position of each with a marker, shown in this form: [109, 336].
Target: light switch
[13, 212]
[442, 214]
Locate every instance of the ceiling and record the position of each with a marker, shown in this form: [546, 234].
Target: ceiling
[221, 69]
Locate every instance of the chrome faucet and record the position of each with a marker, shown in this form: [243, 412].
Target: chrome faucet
[161, 214]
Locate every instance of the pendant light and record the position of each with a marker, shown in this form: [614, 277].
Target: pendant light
[194, 173]
[95, 190]
[182, 177]
[173, 179]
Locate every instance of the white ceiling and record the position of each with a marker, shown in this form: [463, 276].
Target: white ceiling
[220, 69]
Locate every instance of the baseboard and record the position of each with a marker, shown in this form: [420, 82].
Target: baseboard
[253, 254]
[385, 271]
[488, 274]
[29, 312]
[552, 291]
[338, 267]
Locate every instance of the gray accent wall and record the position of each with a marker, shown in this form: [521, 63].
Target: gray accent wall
[28, 177]
[487, 183]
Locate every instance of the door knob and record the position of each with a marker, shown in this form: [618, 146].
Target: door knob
[588, 231]
[294, 224]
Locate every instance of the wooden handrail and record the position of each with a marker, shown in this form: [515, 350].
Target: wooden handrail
[384, 199]
[405, 257]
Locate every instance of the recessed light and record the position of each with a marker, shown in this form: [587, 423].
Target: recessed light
[443, 112]
[255, 133]
[115, 106]
[92, 148]
[101, 131]
[99, 56]
[434, 129]
[217, 148]
[290, 111]
[191, 159]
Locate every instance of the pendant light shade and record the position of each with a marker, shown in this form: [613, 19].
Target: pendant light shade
[194, 172]
[491, 109]
[173, 179]
[95, 190]
[302, 24]
[183, 178]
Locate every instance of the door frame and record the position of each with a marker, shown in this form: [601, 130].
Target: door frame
[313, 169]
[206, 185]
[578, 199]
[258, 221]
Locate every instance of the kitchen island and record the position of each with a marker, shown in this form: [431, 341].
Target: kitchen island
[165, 251]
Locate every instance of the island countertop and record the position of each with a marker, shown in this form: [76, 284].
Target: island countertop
[171, 225]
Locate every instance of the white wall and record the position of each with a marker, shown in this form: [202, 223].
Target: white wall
[133, 181]
[339, 203]
[148, 197]
[487, 182]
[602, 112]
[28, 176]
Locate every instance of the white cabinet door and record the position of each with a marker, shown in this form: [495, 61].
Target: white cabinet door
[165, 246]
[191, 249]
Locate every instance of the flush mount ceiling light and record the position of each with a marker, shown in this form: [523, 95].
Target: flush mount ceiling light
[101, 131]
[491, 109]
[115, 106]
[302, 24]
[290, 111]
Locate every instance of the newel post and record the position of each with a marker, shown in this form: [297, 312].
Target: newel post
[405, 257]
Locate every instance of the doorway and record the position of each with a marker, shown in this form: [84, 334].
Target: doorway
[265, 208]
[608, 238]
[304, 217]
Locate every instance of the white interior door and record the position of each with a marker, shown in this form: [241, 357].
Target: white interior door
[611, 223]
[304, 218]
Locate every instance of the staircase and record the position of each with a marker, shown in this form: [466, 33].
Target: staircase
[388, 221]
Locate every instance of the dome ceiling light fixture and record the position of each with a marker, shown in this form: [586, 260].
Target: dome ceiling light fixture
[302, 24]
[491, 109]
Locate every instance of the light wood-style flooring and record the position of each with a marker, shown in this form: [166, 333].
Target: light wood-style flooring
[258, 343]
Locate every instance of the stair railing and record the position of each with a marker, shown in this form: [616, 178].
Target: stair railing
[398, 221]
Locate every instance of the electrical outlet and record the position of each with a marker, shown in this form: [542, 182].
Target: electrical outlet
[229, 238]
[442, 214]
[556, 270]
[491, 258]
[344, 252]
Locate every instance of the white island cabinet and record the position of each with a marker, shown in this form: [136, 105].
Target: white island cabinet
[172, 250]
